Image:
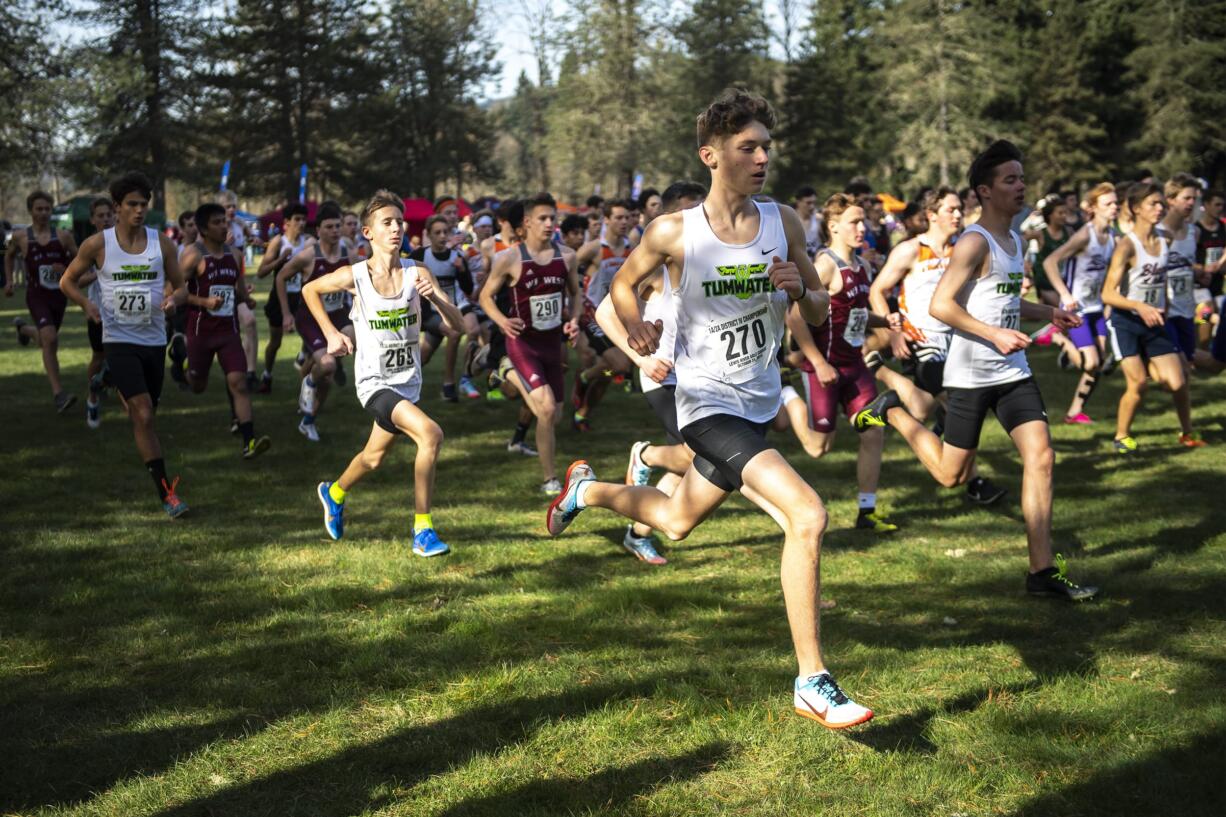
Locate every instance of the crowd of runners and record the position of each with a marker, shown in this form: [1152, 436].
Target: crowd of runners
[735, 316]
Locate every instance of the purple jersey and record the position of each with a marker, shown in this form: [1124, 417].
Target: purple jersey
[218, 280]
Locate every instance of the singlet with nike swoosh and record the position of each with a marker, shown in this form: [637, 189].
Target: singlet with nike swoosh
[131, 291]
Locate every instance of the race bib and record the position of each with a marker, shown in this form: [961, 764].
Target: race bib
[1213, 254]
[1089, 290]
[48, 276]
[226, 293]
[1011, 317]
[738, 348]
[133, 306]
[333, 301]
[857, 323]
[1152, 294]
[546, 311]
[294, 284]
[396, 361]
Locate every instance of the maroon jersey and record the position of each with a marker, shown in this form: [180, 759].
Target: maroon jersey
[841, 337]
[218, 280]
[334, 302]
[536, 298]
[41, 259]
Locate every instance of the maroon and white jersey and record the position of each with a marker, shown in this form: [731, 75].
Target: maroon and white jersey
[41, 260]
[219, 279]
[536, 298]
[333, 301]
[841, 337]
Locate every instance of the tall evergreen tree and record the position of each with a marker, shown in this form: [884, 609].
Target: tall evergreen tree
[32, 74]
[727, 44]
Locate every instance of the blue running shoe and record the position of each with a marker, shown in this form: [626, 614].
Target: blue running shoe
[171, 503]
[334, 512]
[643, 547]
[638, 472]
[426, 543]
[565, 507]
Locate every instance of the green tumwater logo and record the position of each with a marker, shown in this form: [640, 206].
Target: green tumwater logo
[742, 280]
[1014, 287]
[393, 319]
[134, 272]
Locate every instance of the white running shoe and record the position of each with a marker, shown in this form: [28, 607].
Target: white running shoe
[551, 487]
[306, 397]
[638, 472]
[565, 507]
[93, 418]
[820, 699]
[308, 430]
[526, 450]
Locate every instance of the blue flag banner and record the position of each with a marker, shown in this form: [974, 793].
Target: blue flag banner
[302, 185]
[637, 189]
[225, 175]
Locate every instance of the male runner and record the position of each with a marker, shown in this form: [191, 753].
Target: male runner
[45, 252]
[919, 340]
[806, 210]
[1210, 257]
[139, 280]
[1180, 232]
[834, 370]
[649, 205]
[451, 271]
[356, 244]
[979, 297]
[731, 287]
[538, 273]
[316, 260]
[599, 261]
[189, 234]
[574, 231]
[240, 238]
[387, 292]
[277, 254]
[214, 286]
[102, 217]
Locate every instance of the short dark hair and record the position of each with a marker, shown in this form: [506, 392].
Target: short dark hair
[295, 209]
[804, 191]
[541, 199]
[625, 204]
[1051, 203]
[858, 187]
[1181, 181]
[205, 212]
[443, 201]
[39, 195]
[983, 168]
[931, 201]
[437, 218]
[1139, 192]
[503, 209]
[684, 189]
[101, 201]
[1214, 194]
[513, 212]
[131, 182]
[1143, 173]
[184, 217]
[730, 112]
[327, 210]
[645, 197]
[594, 201]
[381, 199]
[572, 223]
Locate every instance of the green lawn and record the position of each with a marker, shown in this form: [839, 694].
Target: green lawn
[238, 662]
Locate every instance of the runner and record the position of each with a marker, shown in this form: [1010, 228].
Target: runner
[920, 341]
[45, 252]
[729, 288]
[102, 218]
[1210, 255]
[188, 234]
[387, 292]
[1180, 233]
[138, 280]
[1084, 258]
[354, 242]
[979, 297]
[538, 273]
[648, 205]
[241, 238]
[214, 285]
[281, 248]
[315, 261]
[1136, 291]
[806, 209]
[451, 271]
[834, 370]
[599, 261]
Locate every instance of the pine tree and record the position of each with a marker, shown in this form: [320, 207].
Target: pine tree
[727, 44]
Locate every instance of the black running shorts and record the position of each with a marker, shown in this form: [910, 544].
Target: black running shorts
[1013, 403]
[664, 404]
[926, 367]
[94, 331]
[381, 404]
[272, 308]
[136, 370]
[722, 445]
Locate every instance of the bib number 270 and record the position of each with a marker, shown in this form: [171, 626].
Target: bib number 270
[738, 339]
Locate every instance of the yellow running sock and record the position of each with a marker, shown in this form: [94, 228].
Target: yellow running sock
[337, 493]
[422, 521]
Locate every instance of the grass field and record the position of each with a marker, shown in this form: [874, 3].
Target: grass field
[238, 662]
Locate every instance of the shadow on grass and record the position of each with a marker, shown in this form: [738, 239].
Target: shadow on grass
[1175, 781]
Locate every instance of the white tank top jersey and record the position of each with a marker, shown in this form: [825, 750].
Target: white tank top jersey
[386, 333]
[660, 308]
[607, 266]
[729, 320]
[813, 236]
[238, 237]
[444, 271]
[1087, 270]
[917, 288]
[1180, 285]
[994, 299]
[130, 292]
[293, 284]
[1145, 280]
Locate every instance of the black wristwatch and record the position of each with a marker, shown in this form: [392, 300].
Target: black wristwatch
[804, 290]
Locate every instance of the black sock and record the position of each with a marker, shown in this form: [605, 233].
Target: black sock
[157, 470]
[248, 431]
[521, 431]
[867, 511]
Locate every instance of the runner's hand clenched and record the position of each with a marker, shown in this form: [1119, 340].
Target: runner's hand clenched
[644, 337]
[785, 275]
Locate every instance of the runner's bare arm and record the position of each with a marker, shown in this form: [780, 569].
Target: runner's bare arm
[1121, 260]
[189, 263]
[69, 242]
[571, 329]
[299, 263]
[970, 253]
[174, 278]
[803, 335]
[615, 330]
[339, 280]
[897, 264]
[500, 275]
[89, 255]
[10, 254]
[797, 276]
[428, 288]
[240, 283]
[1051, 264]
[271, 261]
[661, 242]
